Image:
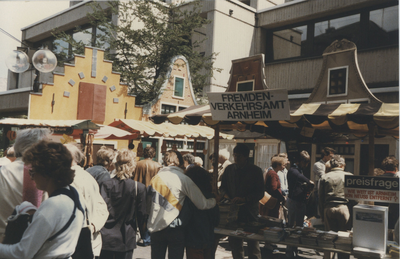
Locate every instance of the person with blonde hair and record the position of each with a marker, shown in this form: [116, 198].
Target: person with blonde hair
[88, 189]
[272, 185]
[126, 201]
[104, 165]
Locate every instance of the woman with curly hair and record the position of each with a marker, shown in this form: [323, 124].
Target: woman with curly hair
[126, 202]
[51, 170]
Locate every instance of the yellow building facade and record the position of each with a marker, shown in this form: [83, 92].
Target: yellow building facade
[88, 90]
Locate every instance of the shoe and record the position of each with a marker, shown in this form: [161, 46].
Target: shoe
[143, 244]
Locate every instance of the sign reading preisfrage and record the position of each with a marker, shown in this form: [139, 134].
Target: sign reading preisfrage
[372, 188]
[266, 105]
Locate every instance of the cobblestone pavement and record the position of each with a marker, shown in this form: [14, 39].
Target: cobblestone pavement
[224, 252]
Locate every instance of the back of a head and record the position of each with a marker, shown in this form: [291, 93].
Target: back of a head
[242, 149]
[337, 161]
[284, 155]
[198, 161]
[188, 158]
[390, 163]
[326, 151]
[51, 159]
[149, 152]
[172, 157]
[201, 178]
[303, 156]
[105, 156]
[77, 154]
[224, 153]
[125, 164]
[10, 152]
[28, 137]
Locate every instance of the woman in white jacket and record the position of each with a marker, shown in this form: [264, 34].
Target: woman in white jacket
[51, 170]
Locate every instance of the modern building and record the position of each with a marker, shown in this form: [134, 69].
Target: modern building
[292, 35]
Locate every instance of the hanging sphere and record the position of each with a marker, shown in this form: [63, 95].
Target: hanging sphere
[44, 60]
[17, 61]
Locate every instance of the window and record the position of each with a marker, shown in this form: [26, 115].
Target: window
[245, 86]
[367, 28]
[88, 35]
[337, 81]
[171, 143]
[166, 109]
[384, 26]
[179, 86]
[328, 31]
[199, 146]
[289, 43]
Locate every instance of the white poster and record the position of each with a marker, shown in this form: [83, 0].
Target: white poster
[265, 105]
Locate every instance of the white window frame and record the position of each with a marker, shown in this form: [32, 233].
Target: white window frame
[359, 100]
[329, 80]
[177, 106]
[183, 90]
[337, 101]
[240, 82]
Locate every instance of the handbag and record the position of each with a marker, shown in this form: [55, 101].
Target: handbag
[268, 201]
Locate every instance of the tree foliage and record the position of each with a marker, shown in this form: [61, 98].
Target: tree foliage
[146, 37]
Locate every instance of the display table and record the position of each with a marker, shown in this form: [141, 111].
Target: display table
[255, 236]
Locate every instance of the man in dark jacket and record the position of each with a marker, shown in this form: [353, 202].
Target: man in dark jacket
[299, 186]
[243, 183]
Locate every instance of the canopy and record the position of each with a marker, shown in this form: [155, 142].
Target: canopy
[308, 119]
[68, 127]
[148, 128]
[108, 132]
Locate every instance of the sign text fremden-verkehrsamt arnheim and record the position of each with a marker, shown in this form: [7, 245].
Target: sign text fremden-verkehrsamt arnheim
[248, 105]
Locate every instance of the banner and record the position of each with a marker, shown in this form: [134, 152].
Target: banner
[265, 105]
[372, 188]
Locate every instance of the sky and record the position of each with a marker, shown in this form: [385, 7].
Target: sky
[15, 15]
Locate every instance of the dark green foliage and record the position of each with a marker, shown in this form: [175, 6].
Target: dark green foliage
[142, 54]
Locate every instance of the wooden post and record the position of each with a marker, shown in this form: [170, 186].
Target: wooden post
[195, 147]
[216, 155]
[371, 149]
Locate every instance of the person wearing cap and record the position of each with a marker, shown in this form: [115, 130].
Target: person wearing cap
[51, 171]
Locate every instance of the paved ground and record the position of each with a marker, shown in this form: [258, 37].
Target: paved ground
[224, 252]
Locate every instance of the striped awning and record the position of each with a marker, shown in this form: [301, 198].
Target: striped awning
[308, 119]
[75, 124]
[108, 132]
[148, 129]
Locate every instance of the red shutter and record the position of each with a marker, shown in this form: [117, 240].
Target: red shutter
[92, 102]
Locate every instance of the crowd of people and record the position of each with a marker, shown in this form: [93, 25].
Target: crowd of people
[172, 205]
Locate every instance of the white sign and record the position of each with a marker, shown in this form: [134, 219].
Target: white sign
[372, 188]
[265, 105]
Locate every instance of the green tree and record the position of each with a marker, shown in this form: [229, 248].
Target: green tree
[142, 54]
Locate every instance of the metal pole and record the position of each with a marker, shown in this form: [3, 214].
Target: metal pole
[215, 162]
[371, 149]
